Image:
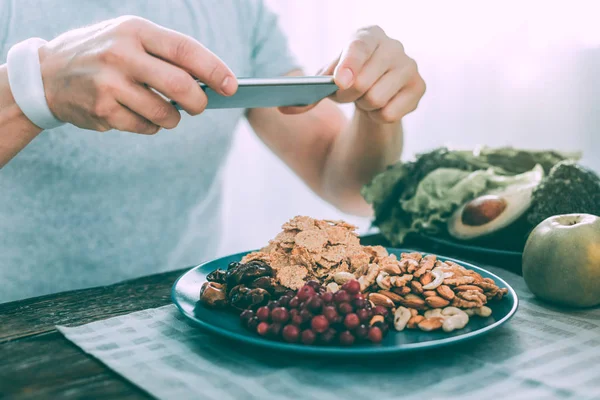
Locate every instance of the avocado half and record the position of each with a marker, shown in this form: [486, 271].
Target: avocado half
[493, 211]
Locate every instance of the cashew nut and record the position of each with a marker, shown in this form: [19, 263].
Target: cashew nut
[333, 287]
[401, 317]
[454, 318]
[436, 312]
[342, 277]
[482, 311]
[438, 278]
[383, 280]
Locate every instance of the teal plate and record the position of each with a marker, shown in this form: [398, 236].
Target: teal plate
[186, 292]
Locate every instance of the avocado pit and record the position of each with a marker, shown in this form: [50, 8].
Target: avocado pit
[483, 210]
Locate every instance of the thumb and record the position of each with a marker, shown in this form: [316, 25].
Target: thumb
[292, 110]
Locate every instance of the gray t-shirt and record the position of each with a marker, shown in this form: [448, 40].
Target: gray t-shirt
[81, 208]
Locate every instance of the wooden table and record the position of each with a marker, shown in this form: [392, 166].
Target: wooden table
[36, 361]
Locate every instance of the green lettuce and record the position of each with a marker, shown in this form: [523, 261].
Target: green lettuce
[420, 195]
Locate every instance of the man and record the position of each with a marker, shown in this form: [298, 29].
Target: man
[82, 207]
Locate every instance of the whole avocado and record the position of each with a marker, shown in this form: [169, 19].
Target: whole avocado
[569, 188]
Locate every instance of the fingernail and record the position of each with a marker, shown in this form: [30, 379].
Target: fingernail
[225, 86]
[344, 77]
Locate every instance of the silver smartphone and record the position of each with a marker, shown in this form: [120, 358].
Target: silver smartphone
[272, 92]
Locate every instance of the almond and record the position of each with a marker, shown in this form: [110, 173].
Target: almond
[402, 291]
[392, 296]
[445, 292]
[413, 302]
[416, 287]
[429, 293]
[414, 321]
[436, 302]
[380, 300]
[426, 278]
[431, 324]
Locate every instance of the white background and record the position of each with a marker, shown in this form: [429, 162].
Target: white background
[520, 73]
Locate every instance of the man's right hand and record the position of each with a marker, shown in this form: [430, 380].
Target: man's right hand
[99, 77]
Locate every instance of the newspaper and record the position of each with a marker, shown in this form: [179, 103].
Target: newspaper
[543, 352]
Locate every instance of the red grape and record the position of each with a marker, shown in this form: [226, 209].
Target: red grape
[314, 284]
[275, 329]
[330, 313]
[263, 313]
[271, 304]
[351, 321]
[360, 303]
[375, 334]
[346, 338]
[294, 302]
[305, 293]
[246, 316]
[380, 310]
[291, 333]
[383, 326]
[364, 315]
[308, 337]
[362, 331]
[341, 296]
[306, 315]
[262, 329]
[327, 336]
[327, 297]
[319, 324]
[345, 308]
[359, 296]
[297, 320]
[352, 287]
[253, 323]
[280, 314]
[314, 304]
[284, 301]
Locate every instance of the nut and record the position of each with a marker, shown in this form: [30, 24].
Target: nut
[413, 312]
[401, 317]
[462, 288]
[445, 292]
[392, 269]
[458, 281]
[460, 303]
[333, 287]
[472, 295]
[436, 302]
[431, 324]
[429, 293]
[383, 280]
[376, 319]
[454, 319]
[413, 301]
[426, 264]
[212, 294]
[399, 281]
[380, 300]
[436, 312]
[391, 295]
[482, 311]
[409, 265]
[426, 279]
[414, 321]
[402, 290]
[368, 279]
[342, 277]
[438, 278]
[416, 287]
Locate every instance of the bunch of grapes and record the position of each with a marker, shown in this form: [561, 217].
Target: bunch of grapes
[315, 316]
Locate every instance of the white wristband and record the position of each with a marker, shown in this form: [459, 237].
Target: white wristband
[26, 85]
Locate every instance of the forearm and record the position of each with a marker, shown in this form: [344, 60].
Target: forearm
[363, 149]
[16, 131]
